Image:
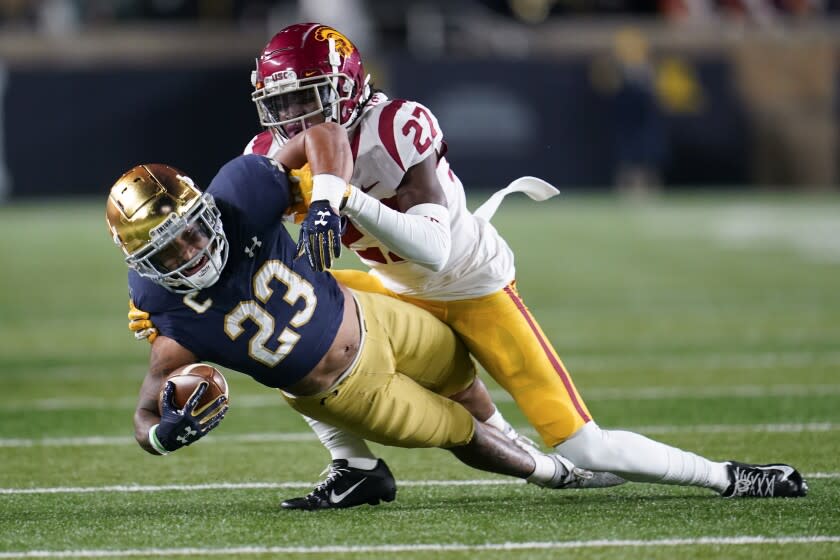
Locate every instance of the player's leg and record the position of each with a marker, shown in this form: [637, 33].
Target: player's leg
[392, 409]
[530, 369]
[354, 473]
[443, 366]
[352, 458]
[503, 335]
[493, 329]
[352, 463]
[641, 459]
[504, 338]
[343, 445]
[411, 409]
[476, 400]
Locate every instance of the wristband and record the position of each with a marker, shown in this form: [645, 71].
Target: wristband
[328, 187]
[155, 442]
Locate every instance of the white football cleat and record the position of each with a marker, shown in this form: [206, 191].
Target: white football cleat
[567, 476]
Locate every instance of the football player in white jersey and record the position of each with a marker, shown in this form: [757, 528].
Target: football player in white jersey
[406, 218]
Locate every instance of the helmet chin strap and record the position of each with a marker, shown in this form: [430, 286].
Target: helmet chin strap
[210, 272]
[335, 62]
[352, 120]
[365, 89]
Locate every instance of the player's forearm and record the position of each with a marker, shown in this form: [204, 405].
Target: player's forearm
[327, 150]
[147, 414]
[165, 356]
[144, 419]
[420, 235]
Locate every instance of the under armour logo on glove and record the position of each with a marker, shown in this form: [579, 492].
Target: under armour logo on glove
[322, 218]
[188, 433]
[320, 235]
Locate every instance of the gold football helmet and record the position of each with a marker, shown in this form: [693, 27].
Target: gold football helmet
[168, 230]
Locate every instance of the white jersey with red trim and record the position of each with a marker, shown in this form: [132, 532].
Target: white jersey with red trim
[390, 137]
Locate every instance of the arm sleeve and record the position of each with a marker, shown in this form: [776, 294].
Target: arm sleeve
[420, 235]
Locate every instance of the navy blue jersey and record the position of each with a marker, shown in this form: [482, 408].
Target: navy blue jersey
[269, 315]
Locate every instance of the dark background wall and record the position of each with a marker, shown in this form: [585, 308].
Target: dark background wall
[89, 125]
[619, 94]
[74, 130]
[546, 118]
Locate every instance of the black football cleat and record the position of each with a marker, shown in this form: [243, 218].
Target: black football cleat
[764, 481]
[347, 487]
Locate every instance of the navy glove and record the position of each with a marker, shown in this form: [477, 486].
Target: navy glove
[178, 428]
[320, 235]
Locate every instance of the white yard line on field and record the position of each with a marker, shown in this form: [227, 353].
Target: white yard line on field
[499, 395]
[704, 361]
[138, 488]
[85, 441]
[728, 428]
[697, 362]
[700, 392]
[296, 437]
[811, 233]
[132, 488]
[432, 547]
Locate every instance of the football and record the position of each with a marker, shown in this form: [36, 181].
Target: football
[187, 379]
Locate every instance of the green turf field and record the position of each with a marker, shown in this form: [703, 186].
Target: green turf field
[710, 323]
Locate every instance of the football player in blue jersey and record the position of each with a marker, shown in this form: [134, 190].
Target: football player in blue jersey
[408, 222]
[220, 277]
[322, 220]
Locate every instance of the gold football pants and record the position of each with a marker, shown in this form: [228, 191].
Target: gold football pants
[396, 393]
[500, 332]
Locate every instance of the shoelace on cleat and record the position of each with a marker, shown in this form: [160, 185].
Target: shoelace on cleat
[581, 475]
[753, 482]
[333, 473]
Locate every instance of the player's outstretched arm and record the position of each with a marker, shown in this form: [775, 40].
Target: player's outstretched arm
[420, 231]
[167, 356]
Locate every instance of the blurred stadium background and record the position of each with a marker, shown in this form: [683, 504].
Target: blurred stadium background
[687, 276]
[638, 95]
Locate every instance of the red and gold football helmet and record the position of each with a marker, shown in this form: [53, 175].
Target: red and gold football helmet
[307, 74]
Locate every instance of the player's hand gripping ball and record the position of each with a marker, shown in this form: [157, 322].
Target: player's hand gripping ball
[193, 401]
[187, 380]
